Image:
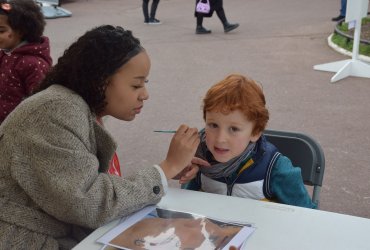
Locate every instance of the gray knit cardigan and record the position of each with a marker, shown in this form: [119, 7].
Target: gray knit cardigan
[54, 188]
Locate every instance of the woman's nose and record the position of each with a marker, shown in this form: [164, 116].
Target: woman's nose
[144, 95]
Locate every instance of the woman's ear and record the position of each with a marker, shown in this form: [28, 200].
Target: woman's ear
[256, 136]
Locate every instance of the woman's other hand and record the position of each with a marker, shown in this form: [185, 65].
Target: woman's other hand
[181, 151]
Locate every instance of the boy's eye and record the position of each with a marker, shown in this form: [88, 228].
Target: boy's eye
[234, 129]
[212, 125]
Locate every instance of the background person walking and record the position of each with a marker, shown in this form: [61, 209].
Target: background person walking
[216, 5]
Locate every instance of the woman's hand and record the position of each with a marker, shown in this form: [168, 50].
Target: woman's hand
[181, 151]
[189, 173]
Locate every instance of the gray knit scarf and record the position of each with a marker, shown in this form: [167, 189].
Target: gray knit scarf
[220, 169]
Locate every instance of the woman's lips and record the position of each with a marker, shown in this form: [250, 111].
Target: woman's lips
[138, 110]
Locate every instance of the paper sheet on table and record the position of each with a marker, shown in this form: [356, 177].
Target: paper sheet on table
[156, 228]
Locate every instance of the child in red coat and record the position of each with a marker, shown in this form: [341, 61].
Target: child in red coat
[24, 52]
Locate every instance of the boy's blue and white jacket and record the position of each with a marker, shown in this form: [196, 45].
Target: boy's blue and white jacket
[265, 175]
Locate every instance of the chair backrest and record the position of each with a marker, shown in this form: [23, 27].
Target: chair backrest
[304, 152]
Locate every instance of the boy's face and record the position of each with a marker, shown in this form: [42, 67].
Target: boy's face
[9, 38]
[227, 136]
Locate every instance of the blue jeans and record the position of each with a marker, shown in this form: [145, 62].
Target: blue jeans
[343, 7]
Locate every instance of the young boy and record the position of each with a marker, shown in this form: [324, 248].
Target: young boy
[244, 163]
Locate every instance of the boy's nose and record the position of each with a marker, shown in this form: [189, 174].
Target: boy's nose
[221, 136]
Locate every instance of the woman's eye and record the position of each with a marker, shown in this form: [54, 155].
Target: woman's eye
[146, 81]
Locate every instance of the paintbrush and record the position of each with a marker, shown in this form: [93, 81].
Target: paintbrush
[165, 131]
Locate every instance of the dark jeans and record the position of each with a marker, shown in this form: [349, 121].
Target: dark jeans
[153, 9]
[343, 7]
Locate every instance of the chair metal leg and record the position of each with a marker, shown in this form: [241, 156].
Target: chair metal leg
[316, 195]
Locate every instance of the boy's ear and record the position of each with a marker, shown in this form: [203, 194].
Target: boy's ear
[255, 137]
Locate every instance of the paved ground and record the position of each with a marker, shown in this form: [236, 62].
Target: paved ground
[278, 43]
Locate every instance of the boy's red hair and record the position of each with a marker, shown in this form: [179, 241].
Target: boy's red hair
[237, 92]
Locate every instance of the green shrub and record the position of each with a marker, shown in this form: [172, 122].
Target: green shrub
[347, 43]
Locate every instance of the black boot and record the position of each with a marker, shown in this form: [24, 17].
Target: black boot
[338, 18]
[202, 30]
[227, 26]
[230, 26]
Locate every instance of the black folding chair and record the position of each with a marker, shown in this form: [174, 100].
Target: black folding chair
[304, 152]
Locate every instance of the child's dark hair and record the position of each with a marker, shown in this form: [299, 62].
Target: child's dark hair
[25, 17]
[86, 66]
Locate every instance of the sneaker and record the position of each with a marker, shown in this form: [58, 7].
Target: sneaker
[146, 21]
[338, 18]
[230, 26]
[202, 30]
[154, 21]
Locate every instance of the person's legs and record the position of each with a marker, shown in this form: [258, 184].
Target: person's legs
[153, 10]
[343, 7]
[227, 26]
[145, 11]
[342, 13]
[199, 16]
[200, 29]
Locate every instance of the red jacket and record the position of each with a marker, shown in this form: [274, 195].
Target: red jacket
[20, 72]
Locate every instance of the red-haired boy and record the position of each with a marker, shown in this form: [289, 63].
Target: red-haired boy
[244, 163]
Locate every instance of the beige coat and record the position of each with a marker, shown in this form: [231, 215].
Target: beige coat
[53, 183]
